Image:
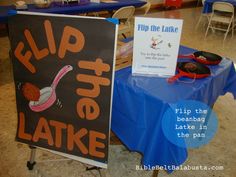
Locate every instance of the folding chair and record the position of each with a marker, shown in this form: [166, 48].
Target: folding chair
[206, 15]
[124, 15]
[222, 13]
[143, 10]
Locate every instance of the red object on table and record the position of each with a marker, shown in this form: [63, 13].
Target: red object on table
[173, 3]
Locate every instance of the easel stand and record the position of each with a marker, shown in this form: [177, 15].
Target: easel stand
[30, 164]
[155, 173]
[102, 172]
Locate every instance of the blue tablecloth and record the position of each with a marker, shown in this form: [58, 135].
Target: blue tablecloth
[207, 8]
[73, 8]
[140, 102]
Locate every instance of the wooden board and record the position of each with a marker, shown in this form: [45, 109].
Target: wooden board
[123, 62]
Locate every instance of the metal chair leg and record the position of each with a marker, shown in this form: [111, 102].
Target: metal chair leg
[199, 20]
[207, 30]
[233, 25]
[227, 31]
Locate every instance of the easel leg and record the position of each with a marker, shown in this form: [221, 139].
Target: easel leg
[155, 173]
[102, 172]
[31, 162]
[92, 168]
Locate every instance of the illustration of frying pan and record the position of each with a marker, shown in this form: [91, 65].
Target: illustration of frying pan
[204, 57]
[191, 70]
[48, 94]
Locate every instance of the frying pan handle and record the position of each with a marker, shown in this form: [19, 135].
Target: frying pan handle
[174, 78]
[60, 74]
[190, 56]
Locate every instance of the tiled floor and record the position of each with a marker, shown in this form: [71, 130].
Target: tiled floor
[122, 163]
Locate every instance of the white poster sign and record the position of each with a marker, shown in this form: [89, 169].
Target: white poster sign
[156, 46]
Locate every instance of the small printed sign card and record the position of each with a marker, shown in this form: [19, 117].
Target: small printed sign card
[156, 46]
